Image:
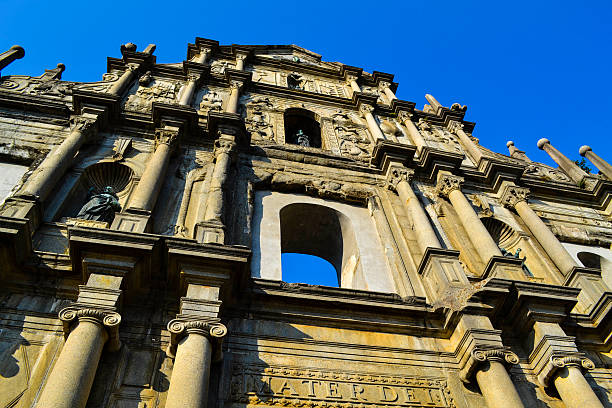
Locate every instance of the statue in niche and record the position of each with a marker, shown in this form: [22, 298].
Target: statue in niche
[302, 139]
[517, 255]
[100, 206]
[295, 81]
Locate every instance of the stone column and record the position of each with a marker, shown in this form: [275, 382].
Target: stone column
[435, 105]
[516, 197]
[385, 86]
[240, 59]
[399, 181]
[150, 183]
[119, 87]
[564, 163]
[70, 382]
[352, 80]
[515, 152]
[15, 52]
[44, 179]
[213, 217]
[232, 102]
[192, 351]
[415, 135]
[450, 186]
[189, 90]
[367, 112]
[493, 379]
[468, 144]
[600, 163]
[573, 388]
[202, 57]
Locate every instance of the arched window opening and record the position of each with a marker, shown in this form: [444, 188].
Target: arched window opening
[313, 269]
[312, 229]
[302, 128]
[590, 260]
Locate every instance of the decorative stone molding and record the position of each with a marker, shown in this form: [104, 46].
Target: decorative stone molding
[166, 136]
[559, 361]
[514, 195]
[107, 318]
[236, 85]
[404, 116]
[455, 126]
[181, 327]
[447, 183]
[396, 174]
[384, 84]
[479, 356]
[84, 125]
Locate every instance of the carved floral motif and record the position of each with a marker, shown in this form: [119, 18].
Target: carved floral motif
[157, 91]
[514, 195]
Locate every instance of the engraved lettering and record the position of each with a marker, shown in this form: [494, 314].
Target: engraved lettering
[287, 386]
[410, 397]
[387, 394]
[311, 387]
[332, 390]
[357, 391]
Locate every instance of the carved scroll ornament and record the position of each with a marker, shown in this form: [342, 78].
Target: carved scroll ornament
[109, 319]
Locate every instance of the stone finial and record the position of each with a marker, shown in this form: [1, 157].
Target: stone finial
[584, 149]
[397, 174]
[542, 142]
[129, 47]
[447, 183]
[514, 195]
[15, 52]
[150, 49]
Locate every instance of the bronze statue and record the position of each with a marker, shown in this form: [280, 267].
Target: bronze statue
[302, 139]
[100, 206]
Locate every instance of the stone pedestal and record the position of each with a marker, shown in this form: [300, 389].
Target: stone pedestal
[443, 275]
[591, 285]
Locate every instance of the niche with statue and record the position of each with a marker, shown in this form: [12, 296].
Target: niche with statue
[102, 192]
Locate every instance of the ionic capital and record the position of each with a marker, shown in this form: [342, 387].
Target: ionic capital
[352, 77]
[107, 318]
[166, 136]
[558, 361]
[193, 77]
[514, 195]
[365, 109]
[397, 174]
[384, 84]
[241, 56]
[181, 327]
[479, 356]
[447, 183]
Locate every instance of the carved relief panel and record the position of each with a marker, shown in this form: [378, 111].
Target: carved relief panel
[219, 66]
[439, 137]
[210, 99]
[353, 140]
[300, 81]
[149, 90]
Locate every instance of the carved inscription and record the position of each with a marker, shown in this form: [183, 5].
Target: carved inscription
[314, 388]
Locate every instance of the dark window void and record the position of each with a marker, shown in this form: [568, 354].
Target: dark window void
[301, 128]
[590, 260]
[323, 232]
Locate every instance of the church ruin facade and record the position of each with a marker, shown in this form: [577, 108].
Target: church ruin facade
[144, 217]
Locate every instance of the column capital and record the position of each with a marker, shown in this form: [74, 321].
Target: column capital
[85, 125]
[405, 116]
[236, 84]
[558, 361]
[107, 318]
[365, 108]
[455, 126]
[166, 136]
[193, 77]
[224, 145]
[181, 327]
[384, 84]
[241, 56]
[352, 77]
[479, 356]
[397, 174]
[448, 183]
[513, 195]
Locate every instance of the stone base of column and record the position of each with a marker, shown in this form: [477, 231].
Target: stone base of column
[132, 221]
[504, 268]
[210, 232]
[443, 275]
[18, 218]
[592, 287]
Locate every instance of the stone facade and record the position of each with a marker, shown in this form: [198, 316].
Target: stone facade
[145, 216]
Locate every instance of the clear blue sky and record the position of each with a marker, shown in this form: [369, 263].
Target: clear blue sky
[525, 70]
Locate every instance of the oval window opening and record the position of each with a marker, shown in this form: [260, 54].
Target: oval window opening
[310, 269]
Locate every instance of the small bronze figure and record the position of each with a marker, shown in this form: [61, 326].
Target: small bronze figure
[100, 206]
